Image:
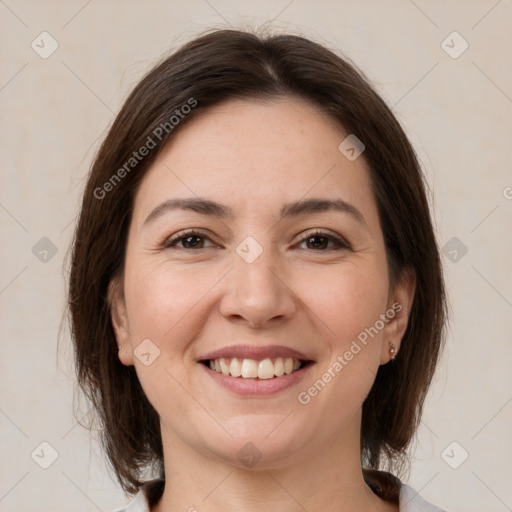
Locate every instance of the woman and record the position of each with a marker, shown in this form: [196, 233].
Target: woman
[256, 292]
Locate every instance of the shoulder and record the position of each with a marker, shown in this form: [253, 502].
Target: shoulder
[411, 501]
[147, 496]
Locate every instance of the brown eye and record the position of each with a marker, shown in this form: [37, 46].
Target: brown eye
[320, 241]
[317, 242]
[192, 241]
[187, 240]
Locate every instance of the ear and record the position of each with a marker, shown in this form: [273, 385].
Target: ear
[119, 318]
[400, 302]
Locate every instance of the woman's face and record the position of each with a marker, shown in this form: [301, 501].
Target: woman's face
[235, 260]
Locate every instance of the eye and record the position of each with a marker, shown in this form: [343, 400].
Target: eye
[191, 239]
[319, 241]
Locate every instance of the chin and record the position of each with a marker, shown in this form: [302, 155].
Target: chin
[260, 442]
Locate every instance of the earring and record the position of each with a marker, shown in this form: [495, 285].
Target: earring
[392, 350]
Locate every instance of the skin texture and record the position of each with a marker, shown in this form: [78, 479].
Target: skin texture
[254, 157]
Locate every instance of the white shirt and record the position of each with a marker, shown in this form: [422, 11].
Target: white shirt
[409, 500]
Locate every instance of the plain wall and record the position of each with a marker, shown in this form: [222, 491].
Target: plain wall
[457, 112]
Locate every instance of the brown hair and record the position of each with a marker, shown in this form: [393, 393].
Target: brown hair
[217, 66]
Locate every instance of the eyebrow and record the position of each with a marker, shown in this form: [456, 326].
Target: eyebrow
[208, 207]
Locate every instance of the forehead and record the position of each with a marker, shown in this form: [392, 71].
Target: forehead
[245, 152]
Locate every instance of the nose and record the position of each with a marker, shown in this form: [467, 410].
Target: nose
[258, 293]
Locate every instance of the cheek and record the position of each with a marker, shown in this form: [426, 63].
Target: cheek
[347, 300]
[161, 299]
[349, 303]
[166, 306]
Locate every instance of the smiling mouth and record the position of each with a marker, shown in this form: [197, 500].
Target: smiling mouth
[264, 369]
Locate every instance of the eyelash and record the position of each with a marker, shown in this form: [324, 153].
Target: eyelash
[339, 242]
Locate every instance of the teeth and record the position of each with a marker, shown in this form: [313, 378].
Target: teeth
[235, 368]
[250, 368]
[224, 368]
[279, 367]
[265, 369]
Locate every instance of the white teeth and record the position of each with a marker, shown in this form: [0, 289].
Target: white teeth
[235, 368]
[250, 368]
[288, 365]
[265, 369]
[279, 367]
[224, 368]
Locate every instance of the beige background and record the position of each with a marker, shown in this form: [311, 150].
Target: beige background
[457, 112]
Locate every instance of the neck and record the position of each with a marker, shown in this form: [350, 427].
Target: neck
[327, 478]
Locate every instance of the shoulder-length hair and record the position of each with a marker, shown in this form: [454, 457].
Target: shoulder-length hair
[218, 66]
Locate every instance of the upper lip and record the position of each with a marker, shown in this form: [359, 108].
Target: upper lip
[255, 352]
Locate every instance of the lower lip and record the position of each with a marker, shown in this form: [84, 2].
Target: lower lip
[257, 387]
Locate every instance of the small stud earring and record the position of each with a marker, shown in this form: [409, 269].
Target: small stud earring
[392, 350]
